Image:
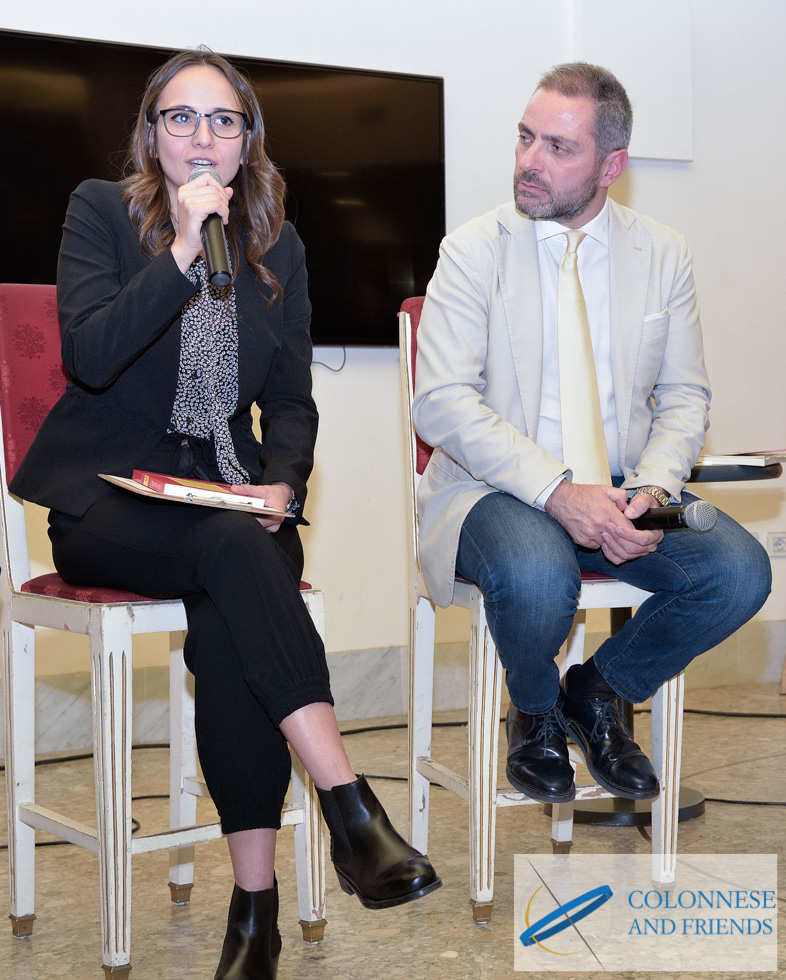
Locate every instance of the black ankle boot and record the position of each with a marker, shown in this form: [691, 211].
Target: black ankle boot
[371, 858]
[252, 942]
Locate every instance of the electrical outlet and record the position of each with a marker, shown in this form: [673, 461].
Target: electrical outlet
[776, 544]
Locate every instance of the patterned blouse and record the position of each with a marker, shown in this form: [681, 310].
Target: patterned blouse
[207, 387]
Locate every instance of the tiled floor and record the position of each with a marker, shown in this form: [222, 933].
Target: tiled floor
[731, 758]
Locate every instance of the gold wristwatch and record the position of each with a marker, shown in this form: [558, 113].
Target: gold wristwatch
[660, 495]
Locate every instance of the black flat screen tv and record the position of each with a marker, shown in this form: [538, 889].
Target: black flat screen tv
[362, 153]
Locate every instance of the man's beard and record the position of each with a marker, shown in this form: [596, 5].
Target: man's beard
[556, 207]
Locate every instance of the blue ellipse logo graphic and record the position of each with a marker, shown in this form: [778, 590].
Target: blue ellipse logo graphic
[593, 899]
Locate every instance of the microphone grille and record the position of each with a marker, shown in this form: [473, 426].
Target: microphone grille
[700, 515]
[198, 171]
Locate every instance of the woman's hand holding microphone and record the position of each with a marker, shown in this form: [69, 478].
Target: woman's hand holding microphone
[196, 201]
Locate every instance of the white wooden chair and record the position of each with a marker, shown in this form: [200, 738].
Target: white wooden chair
[32, 379]
[479, 789]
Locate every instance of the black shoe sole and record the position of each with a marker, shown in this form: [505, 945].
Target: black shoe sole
[577, 734]
[385, 903]
[538, 795]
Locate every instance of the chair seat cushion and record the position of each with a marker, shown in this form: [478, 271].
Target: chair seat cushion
[52, 584]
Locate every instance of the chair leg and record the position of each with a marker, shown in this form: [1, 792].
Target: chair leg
[485, 684]
[422, 620]
[562, 813]
[310, 835]
[18, 658]
[183, 762]
[309, 855]
[666, 755]
[561, 827]
[315, 604]
[111, 661]
[574, 645]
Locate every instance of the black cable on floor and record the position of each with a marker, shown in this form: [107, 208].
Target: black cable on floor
[638, 711]
[715, 799]
[135, 824]
[718, 714]
[400, 725]
[83, 756]
[396, 726]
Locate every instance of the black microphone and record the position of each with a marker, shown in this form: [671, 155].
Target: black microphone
[699, 515]
[214, 240]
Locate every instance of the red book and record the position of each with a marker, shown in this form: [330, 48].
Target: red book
[177, 488]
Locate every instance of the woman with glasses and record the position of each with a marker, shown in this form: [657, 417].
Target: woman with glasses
[164, 368]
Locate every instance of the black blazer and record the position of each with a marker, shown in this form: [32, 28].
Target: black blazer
[120, 323]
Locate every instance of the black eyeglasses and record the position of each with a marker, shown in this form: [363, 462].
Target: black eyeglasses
[224, 123]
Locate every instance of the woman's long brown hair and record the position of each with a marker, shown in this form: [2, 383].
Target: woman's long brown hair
[258, 198]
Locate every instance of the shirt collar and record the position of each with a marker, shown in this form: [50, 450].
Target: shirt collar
[597, 228]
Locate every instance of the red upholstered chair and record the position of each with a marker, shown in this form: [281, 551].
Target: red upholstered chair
[33, 378]
[479, 789]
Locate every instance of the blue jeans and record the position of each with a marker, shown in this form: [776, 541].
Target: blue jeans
[705, 585]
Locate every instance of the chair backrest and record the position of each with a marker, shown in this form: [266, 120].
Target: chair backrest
[33, 375]
[409, 318]
[32, 379]
[418, 452]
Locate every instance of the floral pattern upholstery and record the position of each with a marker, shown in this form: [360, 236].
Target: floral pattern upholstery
[52, 584]
[32, 376]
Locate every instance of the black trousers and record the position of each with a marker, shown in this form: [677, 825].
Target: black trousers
[251, 644]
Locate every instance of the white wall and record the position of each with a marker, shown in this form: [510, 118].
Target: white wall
[729, 202]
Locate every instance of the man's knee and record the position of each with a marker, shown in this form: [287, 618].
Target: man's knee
[535, 580]
[740, 577]
[753, 579]
[512, 551]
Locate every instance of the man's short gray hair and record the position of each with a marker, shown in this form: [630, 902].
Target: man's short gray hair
[613, 112]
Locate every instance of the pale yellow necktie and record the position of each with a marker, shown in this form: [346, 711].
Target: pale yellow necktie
[583, 440]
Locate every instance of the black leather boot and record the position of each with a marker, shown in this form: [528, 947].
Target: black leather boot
[372, 860]
[252, 942]
[538, 762]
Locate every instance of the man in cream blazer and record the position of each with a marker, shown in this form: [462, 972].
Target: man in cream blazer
[497, 502]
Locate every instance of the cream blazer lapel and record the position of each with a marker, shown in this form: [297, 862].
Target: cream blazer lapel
[630, 254]
[519, 280]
